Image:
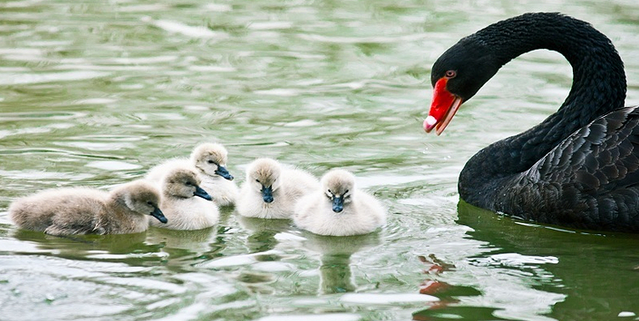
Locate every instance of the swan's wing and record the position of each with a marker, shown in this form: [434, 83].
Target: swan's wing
[598, 159]
[592, 177]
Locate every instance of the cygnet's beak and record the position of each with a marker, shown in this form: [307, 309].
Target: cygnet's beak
[338, 204]
[202, 193]
[159, 215]
[267, 194]
[222, 171]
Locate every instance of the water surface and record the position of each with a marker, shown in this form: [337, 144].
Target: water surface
[95, 94]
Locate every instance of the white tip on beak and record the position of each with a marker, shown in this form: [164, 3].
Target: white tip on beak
[429, 123]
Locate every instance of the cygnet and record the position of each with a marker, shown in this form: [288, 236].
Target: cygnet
[81, 210]
[209, 160]
[186, 205]
[271, 191]
[338, 208]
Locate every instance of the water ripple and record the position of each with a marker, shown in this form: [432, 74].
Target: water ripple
[95, 93]
[22, 79]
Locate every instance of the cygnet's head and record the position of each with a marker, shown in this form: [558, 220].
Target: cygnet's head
[339, 185]
[264, 175]
[141, 197]
[183, 183]
[211, 159]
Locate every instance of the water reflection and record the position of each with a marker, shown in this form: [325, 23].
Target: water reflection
[336, 275]
[578, 273]
[335, 271]
[263, 232]
[195, 241]
[127, 248]
[181, 249]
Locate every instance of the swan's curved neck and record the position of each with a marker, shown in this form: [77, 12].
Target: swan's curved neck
[599, 86]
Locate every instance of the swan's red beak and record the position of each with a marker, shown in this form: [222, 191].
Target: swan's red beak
[442, 109]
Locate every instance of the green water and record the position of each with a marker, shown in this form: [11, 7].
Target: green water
[96, 93]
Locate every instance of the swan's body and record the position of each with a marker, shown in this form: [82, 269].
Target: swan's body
[271, 191]
[579, 167]
[210, 162]
[81, 210]
[186, 205]
[338, 208]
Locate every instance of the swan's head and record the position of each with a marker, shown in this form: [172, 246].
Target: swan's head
[456, 77]
[182, 182]
[338, 186]
[211, 159]
[264, 175]
[141, 197]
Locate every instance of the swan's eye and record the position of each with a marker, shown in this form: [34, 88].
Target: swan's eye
[346, 195]
[330, 194]
[150, 203]
[257, 180]
[450, 74]
[188, 183]
[210, 162]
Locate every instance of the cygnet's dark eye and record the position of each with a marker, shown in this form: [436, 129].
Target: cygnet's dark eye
[450, 74]
[257, 180]
[210, 162]
[150, 203]
[188, 183]
[329, 194]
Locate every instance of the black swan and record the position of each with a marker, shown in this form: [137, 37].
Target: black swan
[579, 167]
